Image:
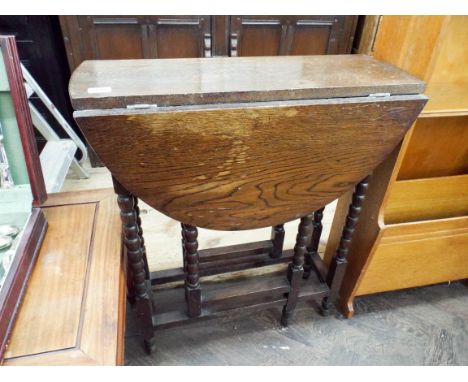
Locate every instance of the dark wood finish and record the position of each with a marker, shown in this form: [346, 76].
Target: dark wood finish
[191, 264]
[215, 261]
[12, 292]
[118, 37]
[228, 165]
[379, 181]
[220, 35]
[312, 247]
[295, 268]
[125, 37]
[257, 176]
[338, 264]
[277, 238]
[140, 234]
[23, 118]
[135, 256]
[291, 35]
[228, 297]
[109, 84]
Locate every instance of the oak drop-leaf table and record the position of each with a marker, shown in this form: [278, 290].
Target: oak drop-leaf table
[240, 143]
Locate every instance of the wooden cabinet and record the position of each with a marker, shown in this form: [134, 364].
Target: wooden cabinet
[129, 37]
[414, 225]
[290, 35]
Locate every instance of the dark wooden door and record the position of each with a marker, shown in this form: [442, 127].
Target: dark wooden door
[128, 37]
[291, 35]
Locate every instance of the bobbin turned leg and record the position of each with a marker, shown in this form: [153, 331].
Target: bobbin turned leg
[140, 234]
[339, 262]
[312, 248]
[136, 264]
[192, 283]
[184, 260]
[277, 238]
[295, 269]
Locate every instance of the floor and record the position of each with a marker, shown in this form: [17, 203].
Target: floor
[421, 326]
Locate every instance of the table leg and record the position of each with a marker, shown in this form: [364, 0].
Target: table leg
[140, 233]
[339, 262]
[277, 238]
[135, 259]
[192, 282]
[312, 248]
[295, 269]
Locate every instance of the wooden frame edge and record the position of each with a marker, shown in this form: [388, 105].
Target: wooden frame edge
[23, 118]
[19, 274]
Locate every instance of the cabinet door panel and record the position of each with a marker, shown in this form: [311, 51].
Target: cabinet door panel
[122, 42]
[133, 37]
[183, 37]
[291, 35]
[310, 41]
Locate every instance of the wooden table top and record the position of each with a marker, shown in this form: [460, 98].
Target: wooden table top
[107, 84]
[243, 143]
[74, 307]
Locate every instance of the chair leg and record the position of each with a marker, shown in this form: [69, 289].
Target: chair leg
[295, 269]
[339, 262]
[312, 248]
[277, 238]
[192, 282]
[136, 264]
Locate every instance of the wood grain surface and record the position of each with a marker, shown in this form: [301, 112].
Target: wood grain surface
[253, 165]
[427, 199]
[438, 147]
[74, 307]
[408, 258]
[117, 83]
[52, 263]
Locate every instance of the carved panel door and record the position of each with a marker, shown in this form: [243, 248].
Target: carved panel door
[291, 35]
[128, 37]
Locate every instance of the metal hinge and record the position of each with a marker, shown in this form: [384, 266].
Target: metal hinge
[379, 95]
[139, 106]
